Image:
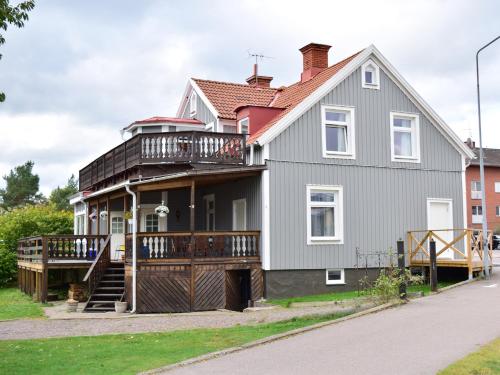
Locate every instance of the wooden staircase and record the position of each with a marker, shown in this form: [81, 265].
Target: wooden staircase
[109, 289]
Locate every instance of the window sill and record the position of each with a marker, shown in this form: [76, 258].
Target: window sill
[336, 283]
[371, 86]
[327, 241]
[401, 159]
[338, 155]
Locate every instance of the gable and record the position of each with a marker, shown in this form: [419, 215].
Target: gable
[270, 132]
[302, 140]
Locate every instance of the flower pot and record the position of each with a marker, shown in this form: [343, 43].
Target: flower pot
[120, 307]
[72, 305]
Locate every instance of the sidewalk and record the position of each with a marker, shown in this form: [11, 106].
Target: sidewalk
[421, 337]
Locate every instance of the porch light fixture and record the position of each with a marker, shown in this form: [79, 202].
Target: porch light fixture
[162, 210]
[103, 214]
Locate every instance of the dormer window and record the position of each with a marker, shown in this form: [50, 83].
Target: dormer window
[243, 126]
[370, 76]
[192, 104]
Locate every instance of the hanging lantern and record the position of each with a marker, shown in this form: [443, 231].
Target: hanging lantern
[103, 214]
[162, 210]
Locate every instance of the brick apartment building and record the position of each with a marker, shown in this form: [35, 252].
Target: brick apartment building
[492, 182]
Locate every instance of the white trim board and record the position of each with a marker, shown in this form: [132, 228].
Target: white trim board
[192, 85]
[342, 74]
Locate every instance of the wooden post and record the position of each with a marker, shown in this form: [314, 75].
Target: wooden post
[433, 265]
[468, 249]
[402, 268]
[193, 243]
[98, 219]
[45, 276]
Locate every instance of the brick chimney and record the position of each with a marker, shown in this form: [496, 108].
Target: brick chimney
[259, 81]
[315, 59]
[469, 142]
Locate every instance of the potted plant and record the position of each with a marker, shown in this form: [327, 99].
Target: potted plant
[120, 306]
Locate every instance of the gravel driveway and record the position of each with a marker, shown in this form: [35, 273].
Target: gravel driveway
[38, 328]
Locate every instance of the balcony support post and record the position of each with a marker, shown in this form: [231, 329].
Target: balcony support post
[193, 241]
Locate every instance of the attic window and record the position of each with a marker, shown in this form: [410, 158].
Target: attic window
[243, 126]
[370, 75]
[192, 104]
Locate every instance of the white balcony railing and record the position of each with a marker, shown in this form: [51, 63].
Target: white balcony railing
[475, 194]
[477, 219]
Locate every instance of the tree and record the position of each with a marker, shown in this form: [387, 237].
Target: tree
[13, 15]
[42, 219]
[59, 197]
[22, 187]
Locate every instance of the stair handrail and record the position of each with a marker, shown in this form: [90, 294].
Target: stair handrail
[101, 251]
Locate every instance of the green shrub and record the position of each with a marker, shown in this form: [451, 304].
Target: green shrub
[23, 222]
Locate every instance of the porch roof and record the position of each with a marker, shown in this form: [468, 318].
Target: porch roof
[204, 174]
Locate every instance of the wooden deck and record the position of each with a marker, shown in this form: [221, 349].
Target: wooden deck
[462, 248]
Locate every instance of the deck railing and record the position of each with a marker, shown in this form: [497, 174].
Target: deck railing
[464, 245]
[50, 248]
[175, 245]
[160, 148]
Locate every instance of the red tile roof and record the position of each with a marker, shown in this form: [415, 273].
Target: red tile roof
[226, 96]
[293, 95]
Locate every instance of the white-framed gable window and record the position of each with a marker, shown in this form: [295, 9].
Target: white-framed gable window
[338, 132]
[193, 103]
[405, 137]
[497, 187]
[370, 75]
[244, 126]
[324, 214]
[335, 277]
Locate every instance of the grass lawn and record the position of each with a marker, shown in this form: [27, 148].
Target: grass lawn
[338, 296]
[16, 305]
[485, 361]
[131, 353]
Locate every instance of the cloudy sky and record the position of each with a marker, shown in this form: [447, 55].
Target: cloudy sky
[81, 70]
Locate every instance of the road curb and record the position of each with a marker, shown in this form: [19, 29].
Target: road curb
[268, 339]
[452, 286]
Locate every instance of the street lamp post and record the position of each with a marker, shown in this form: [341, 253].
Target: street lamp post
[481, 168]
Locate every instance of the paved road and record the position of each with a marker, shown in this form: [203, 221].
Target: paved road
[419, 338]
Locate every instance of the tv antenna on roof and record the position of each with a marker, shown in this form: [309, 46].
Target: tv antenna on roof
[257, 56]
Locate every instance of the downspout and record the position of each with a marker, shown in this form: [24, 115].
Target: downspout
[134, 247]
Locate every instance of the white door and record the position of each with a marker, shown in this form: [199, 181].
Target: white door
[240, 214]
[209, 201]
[440, 216]
[117, 234]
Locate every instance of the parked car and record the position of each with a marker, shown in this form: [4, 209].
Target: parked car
[496, 241]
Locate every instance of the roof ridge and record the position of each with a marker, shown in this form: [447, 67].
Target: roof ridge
[233, 84]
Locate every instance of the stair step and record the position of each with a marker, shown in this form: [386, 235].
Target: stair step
[103, 302]
[99, 309]
[112, 281]
[106, 295]
[110, 287]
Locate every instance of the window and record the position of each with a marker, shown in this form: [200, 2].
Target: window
[192, 103]
[335, 277]
[477, 214]
[79, 224]
[497, 187]
[475, 189]
[152, 223]
[338, 132]
[117, 225]
[324, 214]
[370, 75]
[498, 210]
[405, 142]
[243, 126]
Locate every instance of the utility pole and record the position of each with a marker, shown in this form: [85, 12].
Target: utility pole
[481, 168]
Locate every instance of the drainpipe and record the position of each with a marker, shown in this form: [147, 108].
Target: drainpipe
[134, 247]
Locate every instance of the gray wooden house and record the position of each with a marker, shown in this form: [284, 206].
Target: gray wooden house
[253, 191]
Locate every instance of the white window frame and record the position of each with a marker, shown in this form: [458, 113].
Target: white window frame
[474, 193]
[415, 139]
[193, 99]
[248, 125]
[338, 239]
[375, 85]
[497, 211]
[497, 187]
[477, 218]
[336, 282]
[350, 133]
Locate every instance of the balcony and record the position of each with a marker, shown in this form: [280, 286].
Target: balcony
[165, 148]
